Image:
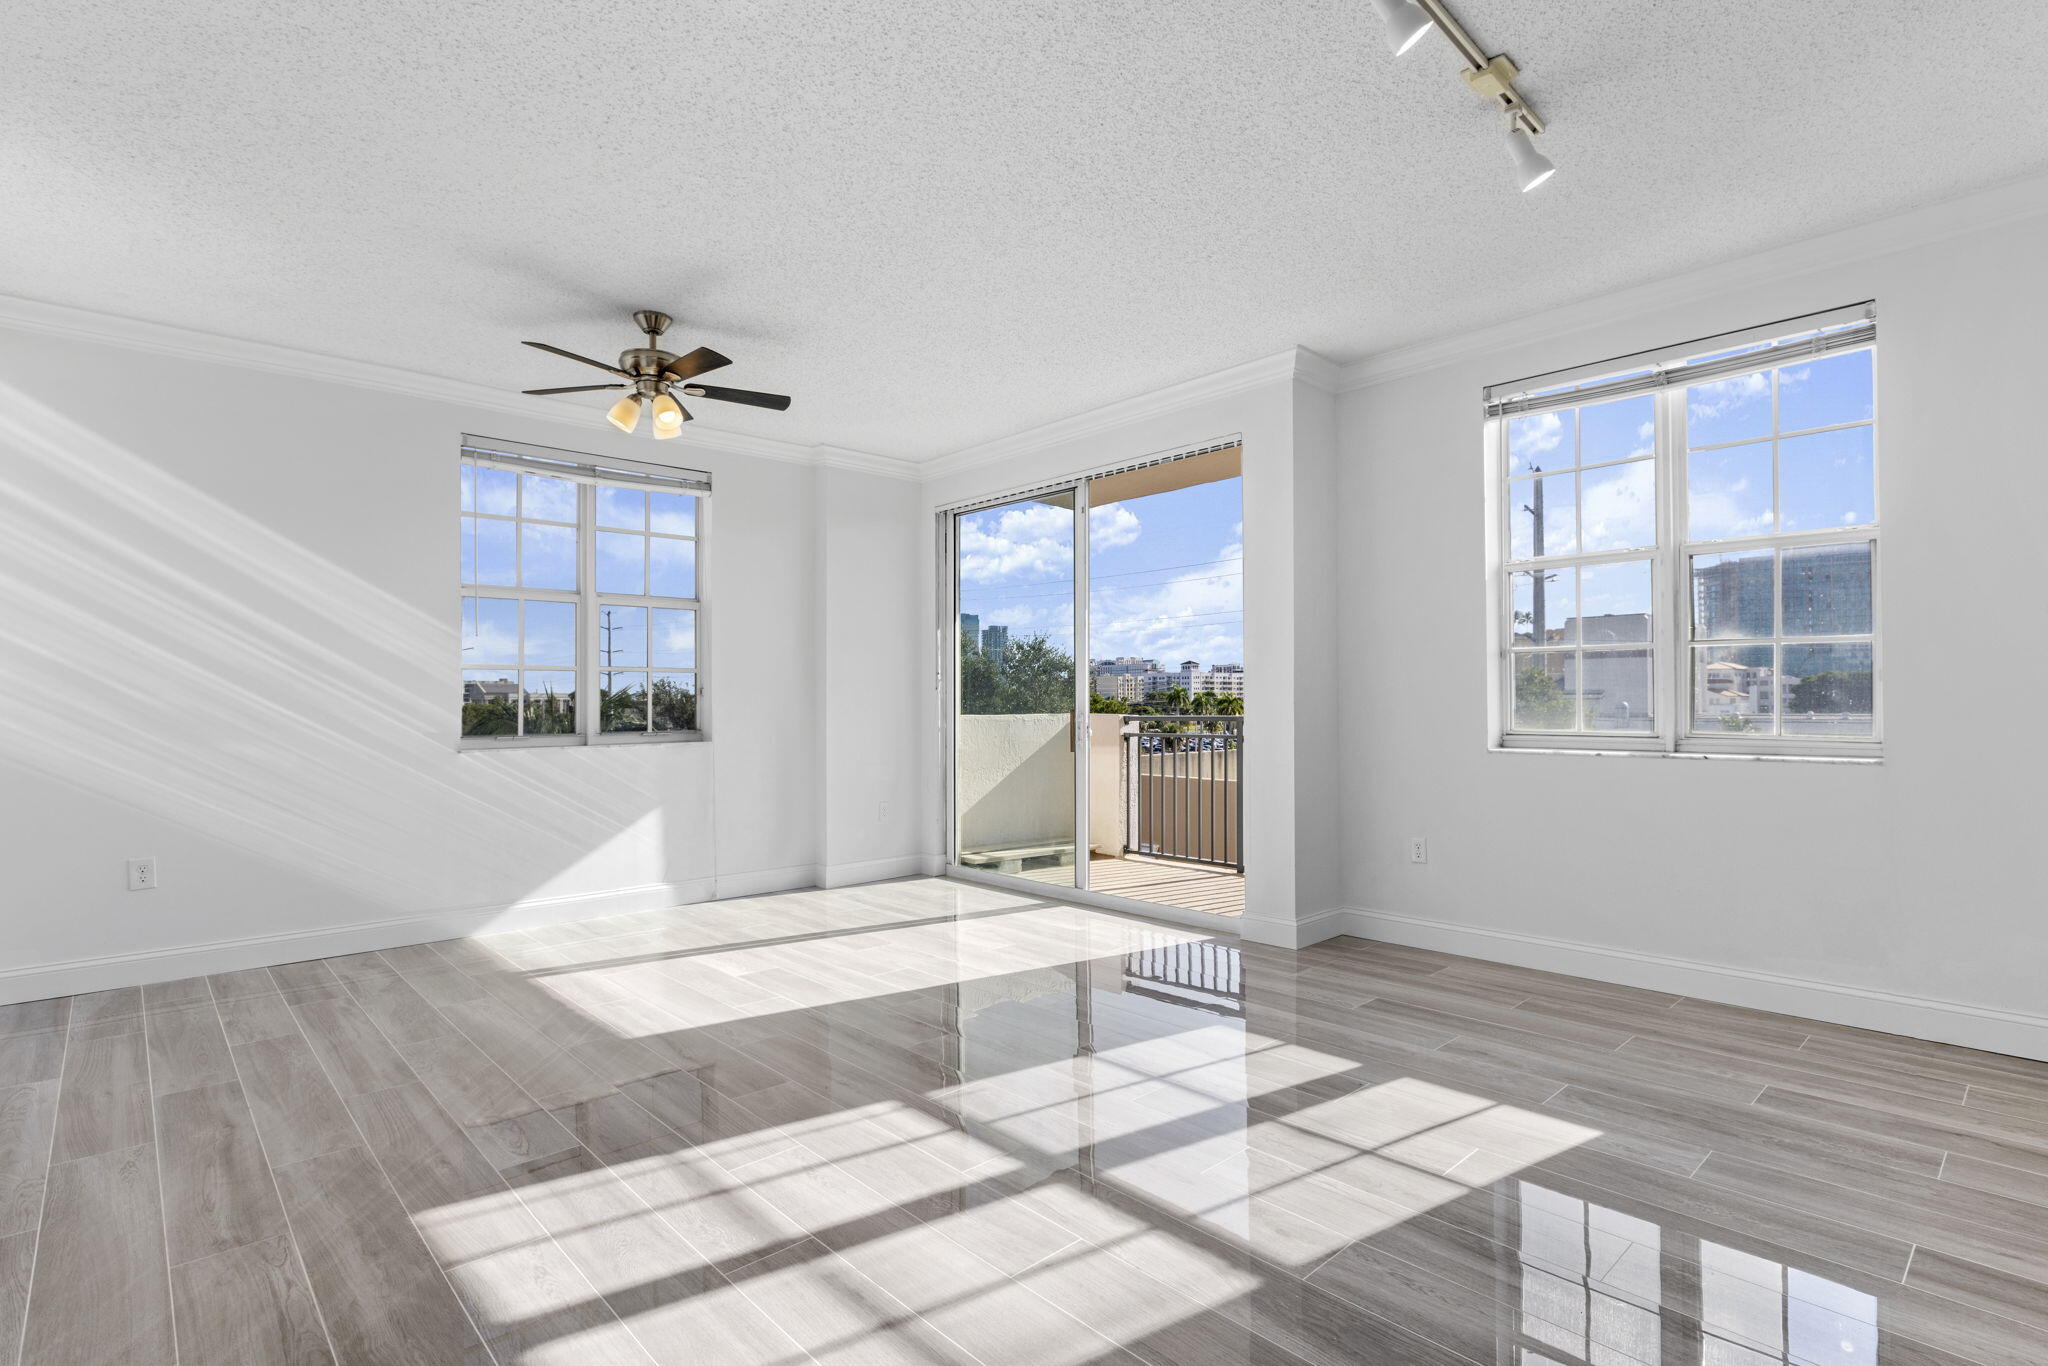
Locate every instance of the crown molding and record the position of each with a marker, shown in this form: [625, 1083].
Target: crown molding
[865, 462]
[1985, 209]
[1253, 374]
[105, 329]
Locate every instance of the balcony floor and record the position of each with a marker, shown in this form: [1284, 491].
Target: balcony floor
[1163, 882]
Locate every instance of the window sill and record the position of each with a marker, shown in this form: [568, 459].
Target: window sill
[486, 745]
[1857, 760]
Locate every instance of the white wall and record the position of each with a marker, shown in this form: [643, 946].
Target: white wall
[228, 641]
[1917, 885]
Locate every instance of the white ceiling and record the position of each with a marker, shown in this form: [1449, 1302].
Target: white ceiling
[938, 224]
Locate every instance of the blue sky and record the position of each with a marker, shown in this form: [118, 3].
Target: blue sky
[1824, 478]
[1166, 574]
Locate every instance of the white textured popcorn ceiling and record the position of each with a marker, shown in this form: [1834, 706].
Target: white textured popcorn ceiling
[938, 224]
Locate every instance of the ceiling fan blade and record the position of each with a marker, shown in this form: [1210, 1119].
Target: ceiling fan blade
[558, 351]
[573, 389]
[698, 362]
[779, 402]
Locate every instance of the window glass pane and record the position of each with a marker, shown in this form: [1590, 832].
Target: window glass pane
[625, 508]
[1733, 689]
[1615, 603]
[468, 487]
[1541, 701]
[1825, 392]
[547, 556]
[621, 563]
[1828, 689]
[489, 699]
[497, 492]
[675, 513]
[549, 499]
[1546, 607]
[487, 554]
[1542, 517]
[1827, 590]
[1829, 1322]
[550, 702]
[623, 704]
[490, 632]
[1613, 687]
[1728, 493]
[1619, 506]
[550, 634]
[1737, 409]
[1541, 441]
[1825, 479]
[622, 636]
[675, 638]
[672, 566]
[673, 702]
[1617, 431]
[1731, 596]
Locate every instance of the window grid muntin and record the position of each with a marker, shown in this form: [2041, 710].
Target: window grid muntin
[1672, 657]
[587, 669]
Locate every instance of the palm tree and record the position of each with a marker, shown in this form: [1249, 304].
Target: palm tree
[1229, 706]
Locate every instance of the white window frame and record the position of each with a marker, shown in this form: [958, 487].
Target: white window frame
[589, 474]
[1672, 644]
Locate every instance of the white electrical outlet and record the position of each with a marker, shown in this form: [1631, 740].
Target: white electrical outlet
[142, 875]
[881, 812]
[1418, 849]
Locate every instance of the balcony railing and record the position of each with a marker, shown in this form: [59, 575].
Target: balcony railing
[1181, 788]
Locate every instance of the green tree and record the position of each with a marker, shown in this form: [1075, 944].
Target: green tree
[1541, 703]
[1107, 706]
[1832, 691]
[1032, 676]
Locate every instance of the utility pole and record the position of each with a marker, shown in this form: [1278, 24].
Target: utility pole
[1537, 632]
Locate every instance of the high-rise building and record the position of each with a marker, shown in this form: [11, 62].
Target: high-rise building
[970, 632]
[1129, 687]
[1225, 680]
[994, 641]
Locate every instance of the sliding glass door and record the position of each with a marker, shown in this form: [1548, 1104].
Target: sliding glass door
[1016, 699]
[1092, 637]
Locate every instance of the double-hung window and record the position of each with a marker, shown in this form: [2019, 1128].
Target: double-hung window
[580, 598]
[1688, 547]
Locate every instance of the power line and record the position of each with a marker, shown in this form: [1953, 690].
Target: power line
[1121, 574]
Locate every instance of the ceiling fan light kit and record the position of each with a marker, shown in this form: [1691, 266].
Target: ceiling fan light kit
[651, 375]
[1491, 77]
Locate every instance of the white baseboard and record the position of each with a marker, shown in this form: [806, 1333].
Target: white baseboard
[879, 870]
[1296, 934]
[1998, 1031]
[42, 980]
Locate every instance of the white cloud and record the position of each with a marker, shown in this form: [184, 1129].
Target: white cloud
[1195, 615]
[1705, 402]
[1111, 527]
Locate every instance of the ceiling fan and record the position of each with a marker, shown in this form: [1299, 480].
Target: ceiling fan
[652, 375]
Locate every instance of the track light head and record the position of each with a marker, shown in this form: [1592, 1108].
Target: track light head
[1406, 23]
[1532, 168]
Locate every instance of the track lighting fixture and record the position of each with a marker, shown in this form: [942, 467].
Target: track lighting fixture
[1532, 168]
[1492, 77]
[1406, 23]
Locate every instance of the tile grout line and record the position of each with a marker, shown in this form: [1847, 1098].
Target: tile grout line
[370, 1152]
[269, 1167]
[156, 1150]
[503, 1184]
[49, 1166]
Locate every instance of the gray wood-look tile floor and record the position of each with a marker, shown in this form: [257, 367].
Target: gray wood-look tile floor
[931, 1122]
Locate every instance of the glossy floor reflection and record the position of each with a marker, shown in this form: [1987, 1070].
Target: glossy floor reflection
[932, 1122]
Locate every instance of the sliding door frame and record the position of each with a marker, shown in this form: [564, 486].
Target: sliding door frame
[947, 681]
